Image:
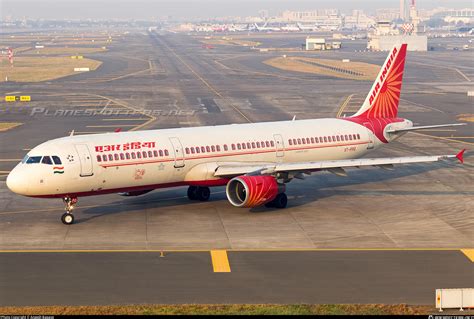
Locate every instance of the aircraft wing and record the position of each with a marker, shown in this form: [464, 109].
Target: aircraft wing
[336, 166]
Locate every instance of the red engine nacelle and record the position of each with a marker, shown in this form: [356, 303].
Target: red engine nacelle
[252, 191]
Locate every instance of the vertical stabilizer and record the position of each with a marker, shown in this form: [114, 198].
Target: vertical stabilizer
[384, 96]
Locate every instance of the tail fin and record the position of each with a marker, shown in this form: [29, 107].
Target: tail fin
[382, 101]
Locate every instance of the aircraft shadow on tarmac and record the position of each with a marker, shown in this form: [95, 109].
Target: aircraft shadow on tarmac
[315, 187]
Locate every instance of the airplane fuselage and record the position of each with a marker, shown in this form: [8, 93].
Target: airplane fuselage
[146, 160]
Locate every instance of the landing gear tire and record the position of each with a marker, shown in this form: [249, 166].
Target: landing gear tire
[67, 218]
[203, 193]
[280, 201]
[192, 192]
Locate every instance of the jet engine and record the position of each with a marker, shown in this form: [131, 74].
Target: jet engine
[252, 191]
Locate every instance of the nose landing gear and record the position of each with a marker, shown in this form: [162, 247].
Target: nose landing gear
[68, 218]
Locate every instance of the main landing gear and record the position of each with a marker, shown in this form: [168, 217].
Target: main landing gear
[279, 201]
[199, 193]
[68, 218]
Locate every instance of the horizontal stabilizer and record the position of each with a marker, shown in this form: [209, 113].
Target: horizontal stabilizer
[414, 128]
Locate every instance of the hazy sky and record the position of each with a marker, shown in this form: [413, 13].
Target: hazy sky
[146, 9]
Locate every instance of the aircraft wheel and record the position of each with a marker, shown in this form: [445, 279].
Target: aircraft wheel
[67, 218]
[192, 192]
[280, 201]
[203, 193]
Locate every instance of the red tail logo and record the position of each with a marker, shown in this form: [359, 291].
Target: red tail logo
[383, 99]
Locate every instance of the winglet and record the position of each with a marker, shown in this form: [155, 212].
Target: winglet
[460, 156]
[117, 130]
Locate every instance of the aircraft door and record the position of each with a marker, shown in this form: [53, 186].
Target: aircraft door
[279, 145]
[85, 160]
[370, 129]
[178, 152]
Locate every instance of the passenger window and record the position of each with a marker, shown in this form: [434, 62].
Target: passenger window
[56, 160]
[127, 155]
[253, 144]
[139, 155]
[187, 150]
[104, 158]
[144, 154]
[99, 158]
[244, 146]
[238, 146]
[198, 149]
[290, 142]
[272, 143]
[303, 141]
[350, 137]
[213, 148]
[312, 140]
[33, 160]
[192, 150]
[233, 147]
[150, 154]
[208, 149]
[218, 148]
[47, 160]
[166, 153]
[134, 155]
[122, 156]
[116, 157]
[338, 138]
[354, 136]
[225, 147]
[308, 140]
[155, 153]
[110, 157]
[358, 136]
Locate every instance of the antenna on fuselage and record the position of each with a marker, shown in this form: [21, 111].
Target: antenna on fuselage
[72, 133]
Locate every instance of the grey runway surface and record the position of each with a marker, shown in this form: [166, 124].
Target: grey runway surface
[389, 277]
[424, 207]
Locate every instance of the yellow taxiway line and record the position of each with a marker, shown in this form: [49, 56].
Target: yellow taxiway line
[220, 262]
[343, 105]
[469, 253]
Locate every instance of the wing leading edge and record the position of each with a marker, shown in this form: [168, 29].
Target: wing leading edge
[336, 166]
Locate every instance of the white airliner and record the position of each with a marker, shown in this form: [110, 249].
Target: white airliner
[254, 161]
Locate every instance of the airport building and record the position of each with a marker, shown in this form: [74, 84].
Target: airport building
[320, 44]
[384, 36]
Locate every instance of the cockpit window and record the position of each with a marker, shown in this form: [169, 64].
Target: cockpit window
[47, 160]
[56, 160]
[23, 161]
[33, 160]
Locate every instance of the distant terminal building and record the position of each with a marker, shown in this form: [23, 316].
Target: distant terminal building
[384, 36]
[320, 44]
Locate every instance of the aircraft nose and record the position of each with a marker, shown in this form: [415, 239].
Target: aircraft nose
[16, 183]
